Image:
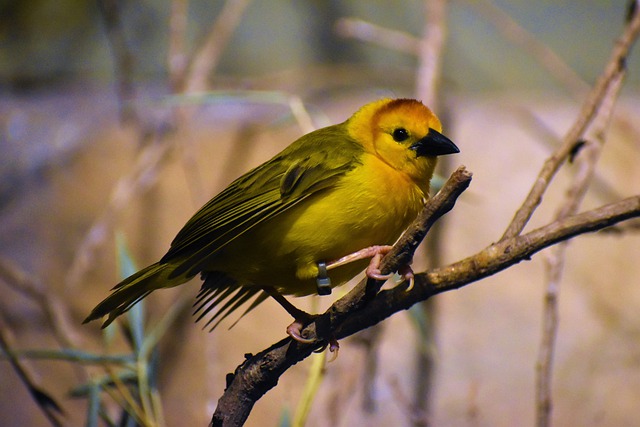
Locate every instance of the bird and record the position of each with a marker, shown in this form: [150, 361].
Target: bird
[303, 222]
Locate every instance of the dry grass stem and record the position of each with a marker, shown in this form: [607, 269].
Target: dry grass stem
[49, 407]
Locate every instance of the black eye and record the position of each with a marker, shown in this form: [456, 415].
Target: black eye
[400, 134]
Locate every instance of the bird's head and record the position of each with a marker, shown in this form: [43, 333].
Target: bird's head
[403, 133]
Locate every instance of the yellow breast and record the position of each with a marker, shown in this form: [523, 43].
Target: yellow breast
[371, 205]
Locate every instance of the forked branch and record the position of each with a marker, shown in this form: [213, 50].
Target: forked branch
[364, 306]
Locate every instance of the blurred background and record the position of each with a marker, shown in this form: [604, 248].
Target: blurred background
[120, 118]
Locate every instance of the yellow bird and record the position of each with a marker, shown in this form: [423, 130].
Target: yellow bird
[297, 224]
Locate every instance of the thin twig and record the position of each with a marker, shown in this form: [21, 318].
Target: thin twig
[555, 261]
[153, 140]
[177, 59]
[548, 138]
[428, 89]
[123, 58]
[494, 258]
[534, 48]
[53, 308]
[47, 404]
[365, 31]
[587, 113]
[430, 52]
[194, 77]
[208, 56]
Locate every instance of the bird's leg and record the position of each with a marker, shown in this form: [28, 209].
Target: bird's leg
[373, 270]
[301, 318]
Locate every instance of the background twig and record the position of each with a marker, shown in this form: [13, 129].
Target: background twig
[587, 113]
[586, 160]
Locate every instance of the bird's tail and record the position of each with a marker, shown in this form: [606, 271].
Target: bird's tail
[132, 289]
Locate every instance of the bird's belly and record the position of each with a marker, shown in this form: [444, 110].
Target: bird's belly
[363, 210]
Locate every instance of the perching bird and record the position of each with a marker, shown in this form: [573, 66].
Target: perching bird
[304, 221]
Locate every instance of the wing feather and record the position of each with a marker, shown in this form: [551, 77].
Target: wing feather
[312, 163]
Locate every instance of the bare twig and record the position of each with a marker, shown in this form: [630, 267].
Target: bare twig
[516, 34]
[123, 58]
[47, 404]
[553, 63]
[208, 56]
[152, 139]
[177, 60]
[365, 31]
[49, 303]
[489, 261]
[430, 52]
[194, 77]
[428, 85]
[587, 113]
[547, 137]
[555, 261]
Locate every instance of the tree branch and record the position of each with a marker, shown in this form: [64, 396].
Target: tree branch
[589, 108]
[586, 162]
[359, 310]
[259, 373]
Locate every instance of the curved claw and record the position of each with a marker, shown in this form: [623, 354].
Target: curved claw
[407, 274]
[334, 348]
[294, 330]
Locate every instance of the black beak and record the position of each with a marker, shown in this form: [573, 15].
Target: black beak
[434, 144]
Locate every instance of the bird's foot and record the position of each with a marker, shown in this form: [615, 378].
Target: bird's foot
[376, 253]
[294, 330]
[373, 270]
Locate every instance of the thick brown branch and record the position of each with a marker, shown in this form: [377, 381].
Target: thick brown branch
[261, 372]
[491, 260]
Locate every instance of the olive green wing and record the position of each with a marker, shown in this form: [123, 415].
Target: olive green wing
[312, 163]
